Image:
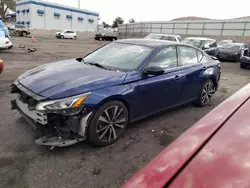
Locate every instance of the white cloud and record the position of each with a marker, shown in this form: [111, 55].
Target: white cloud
[162, 10]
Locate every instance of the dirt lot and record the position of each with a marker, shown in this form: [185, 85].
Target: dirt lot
[23, 164]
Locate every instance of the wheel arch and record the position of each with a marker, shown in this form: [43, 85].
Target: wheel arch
[119, 98]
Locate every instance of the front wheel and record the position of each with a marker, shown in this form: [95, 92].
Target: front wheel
[206, 94]
[242, 66]
[108, 123]
[62, 37]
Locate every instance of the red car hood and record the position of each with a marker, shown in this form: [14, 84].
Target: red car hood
[215, 152]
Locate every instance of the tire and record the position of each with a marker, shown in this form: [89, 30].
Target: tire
[75, 38]
[103, 130]
[242, 66]
[24, 34]
[205, 94]
[62, 37]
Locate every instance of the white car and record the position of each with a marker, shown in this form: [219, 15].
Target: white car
[174, 38]
[4, 41]
[67, 34]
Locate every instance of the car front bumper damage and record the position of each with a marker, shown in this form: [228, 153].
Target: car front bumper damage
[53, 130]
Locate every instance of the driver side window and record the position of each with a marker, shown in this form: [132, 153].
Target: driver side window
[166, 58]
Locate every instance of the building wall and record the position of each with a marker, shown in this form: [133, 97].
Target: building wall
[49, 21]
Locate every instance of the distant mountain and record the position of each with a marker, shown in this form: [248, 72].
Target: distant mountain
[201, 18]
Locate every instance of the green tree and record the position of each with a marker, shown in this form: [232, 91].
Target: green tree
[117, 21]
[5, 5]
[105, 25]
[132, 20]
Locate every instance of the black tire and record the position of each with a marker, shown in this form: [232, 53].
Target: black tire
[103, 130]
[62, 37]
[205, 94]
[242, 66]
[24, 34]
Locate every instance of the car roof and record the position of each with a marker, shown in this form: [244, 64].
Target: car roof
[215, 152]
[163, 34]
[199, 38]
[147, 42]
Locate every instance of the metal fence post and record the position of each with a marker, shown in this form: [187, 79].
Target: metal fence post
[187, 28]
[126, 30]
[222, 29]
[243, 34]
[203, 28]
[173, 28]
[133, 29]
[161, 28]
[141, 29]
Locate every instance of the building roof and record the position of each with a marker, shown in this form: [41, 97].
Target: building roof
[56, 6]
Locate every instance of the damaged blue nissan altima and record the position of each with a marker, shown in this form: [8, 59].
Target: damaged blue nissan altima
[95, 97]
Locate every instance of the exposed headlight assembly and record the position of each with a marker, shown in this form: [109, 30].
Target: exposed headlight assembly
[209, 71]
[66, 105]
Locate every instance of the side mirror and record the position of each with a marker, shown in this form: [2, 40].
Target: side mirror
[206, 46]
[153, 71]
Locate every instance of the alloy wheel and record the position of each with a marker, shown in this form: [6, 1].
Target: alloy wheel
[207, 93]
[111, 124]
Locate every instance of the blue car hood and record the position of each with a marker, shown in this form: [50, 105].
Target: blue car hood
[67, 78]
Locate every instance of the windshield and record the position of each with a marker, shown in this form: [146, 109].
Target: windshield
[193, 42]
[153, 37]
[231, 46]
[119, 56]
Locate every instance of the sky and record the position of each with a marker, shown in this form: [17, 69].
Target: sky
[162, 10]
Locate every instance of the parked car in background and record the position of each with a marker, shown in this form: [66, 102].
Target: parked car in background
[223, 42]
[19, 30]
[174, 38]
[5, 41]
[206, 44]
[233, 51]
[213, 153]
[95, 97]
[245, 62]
[1, 66]
[67, 34]
[4, 28]
[110, 36]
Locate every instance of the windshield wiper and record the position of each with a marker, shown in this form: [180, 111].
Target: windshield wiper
[96, 64]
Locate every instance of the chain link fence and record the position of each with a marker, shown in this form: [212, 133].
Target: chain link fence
[239, 28]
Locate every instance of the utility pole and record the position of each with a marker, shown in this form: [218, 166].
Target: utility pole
[79, 3]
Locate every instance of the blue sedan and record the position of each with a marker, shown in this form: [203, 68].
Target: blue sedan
[95, 97]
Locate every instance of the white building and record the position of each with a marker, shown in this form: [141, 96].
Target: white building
[44, 15]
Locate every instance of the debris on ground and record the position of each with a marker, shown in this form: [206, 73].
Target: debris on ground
[32, 49]
[96, 171]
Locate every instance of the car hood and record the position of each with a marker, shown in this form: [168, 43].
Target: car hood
[67, 78]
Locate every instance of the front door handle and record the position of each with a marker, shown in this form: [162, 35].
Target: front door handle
[177, 77]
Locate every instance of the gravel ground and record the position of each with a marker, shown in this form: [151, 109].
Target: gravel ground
[23, 164]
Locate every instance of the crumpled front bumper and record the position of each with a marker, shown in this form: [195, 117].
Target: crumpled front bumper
[48, 139]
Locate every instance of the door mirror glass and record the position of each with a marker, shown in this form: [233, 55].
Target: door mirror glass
[153, 71]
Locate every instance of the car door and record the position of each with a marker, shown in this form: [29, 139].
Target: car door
[160, 92]
[190, 60]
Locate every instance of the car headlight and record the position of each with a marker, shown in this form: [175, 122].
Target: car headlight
[209, 71]
[74, 102]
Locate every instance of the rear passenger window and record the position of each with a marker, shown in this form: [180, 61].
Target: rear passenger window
[213, 45]
[187, 56]
[166, 58]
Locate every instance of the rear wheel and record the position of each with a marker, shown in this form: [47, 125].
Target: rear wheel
[242, 66]
[108, 123]
[206, 94]
[24, 34]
